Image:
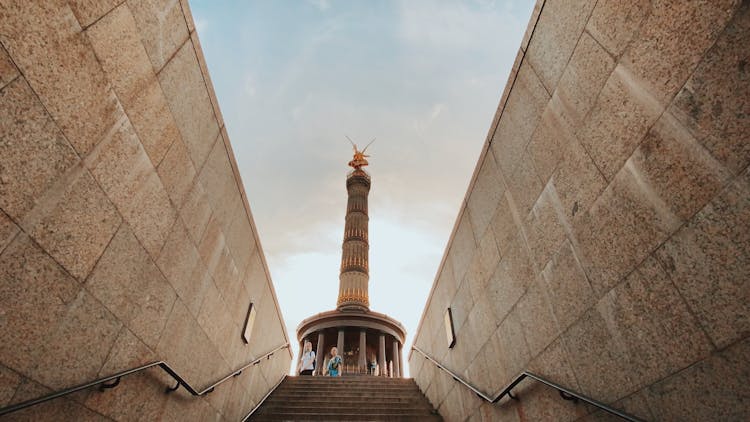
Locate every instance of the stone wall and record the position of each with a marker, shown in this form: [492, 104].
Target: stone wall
[604, 241]
[125, 231]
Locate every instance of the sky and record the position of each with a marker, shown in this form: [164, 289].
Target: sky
[294, 78]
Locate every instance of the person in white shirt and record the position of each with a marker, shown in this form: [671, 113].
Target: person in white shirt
[307, 362]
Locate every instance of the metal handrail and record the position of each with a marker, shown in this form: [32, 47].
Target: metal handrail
[565, 393]
[104, 382]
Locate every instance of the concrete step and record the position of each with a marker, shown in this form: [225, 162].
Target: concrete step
[351, 396]
[346, 382]
[333, 409]
[346, 417]
[333, 391]
[342, 403]
[354, 398]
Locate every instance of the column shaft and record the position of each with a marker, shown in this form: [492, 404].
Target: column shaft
[362, 351]
[401, 361]
[396, 363]
[320, 353]
[340, 347]
[381, 356]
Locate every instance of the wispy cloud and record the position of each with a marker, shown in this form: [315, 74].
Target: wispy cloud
[422, 76]
[321, 5]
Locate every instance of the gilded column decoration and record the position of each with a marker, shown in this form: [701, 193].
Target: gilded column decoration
[354, 277]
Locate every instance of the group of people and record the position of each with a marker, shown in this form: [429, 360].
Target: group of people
[306, 364]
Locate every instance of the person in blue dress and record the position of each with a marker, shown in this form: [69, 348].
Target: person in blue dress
[335, 363]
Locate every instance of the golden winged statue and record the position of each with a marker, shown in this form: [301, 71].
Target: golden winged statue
[360, 159]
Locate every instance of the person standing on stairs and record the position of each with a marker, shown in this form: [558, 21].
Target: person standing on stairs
[334, 364]
[307, 363]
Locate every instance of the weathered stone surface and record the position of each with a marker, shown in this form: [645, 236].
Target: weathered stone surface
[461, 305]
[119, 49]
[162, 27]
[186, 94]
[621, 116]
[714, 389]
[525, 186]
[212, 246]
[187, 348]
[8, 230]
[62, 408]
[713, 105]
[482, 322]
[487, 191]
[180, 263]
[672, 40]
[545, 227]
[536, 318]
[116, 40]
[589, 68]
[593, 351]
[505, 223]
[132, 287]
[708, 260]
[77, 346]
[524, 108]
[216, 320]
[677, 168]
[640, 331]
[33, 151]
[73, 222]
[177, 173]
[544, 149]
[185, 4]
[46, 43]
[463, 247]
[555, 36]
[510, 279]
[218, 181]
[8, 70]
[578, 182]
[626, 222]
[209, 84]
[541, 403]
[89, 11]
[140, 394]
[9, 381]
[153, 120]
[615, 22]
[570, 293]
[196, 212]
[489, 256]
[123, 169]
[623, 225]
[498, 412]
[241, 239]
[511, 352]
[30, 280]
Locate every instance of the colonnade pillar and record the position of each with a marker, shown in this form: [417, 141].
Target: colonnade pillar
[362, 351]
[401, 361]
[396, 363]
[320, 353]
[381, 356]
[340, 343]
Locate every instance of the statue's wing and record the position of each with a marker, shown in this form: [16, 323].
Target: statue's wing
[368, 145]
[353, 144]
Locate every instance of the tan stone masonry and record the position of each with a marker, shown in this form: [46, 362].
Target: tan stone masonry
[125, 231]
[603, 240]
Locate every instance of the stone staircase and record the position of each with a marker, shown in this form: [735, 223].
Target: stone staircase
[355, 398]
